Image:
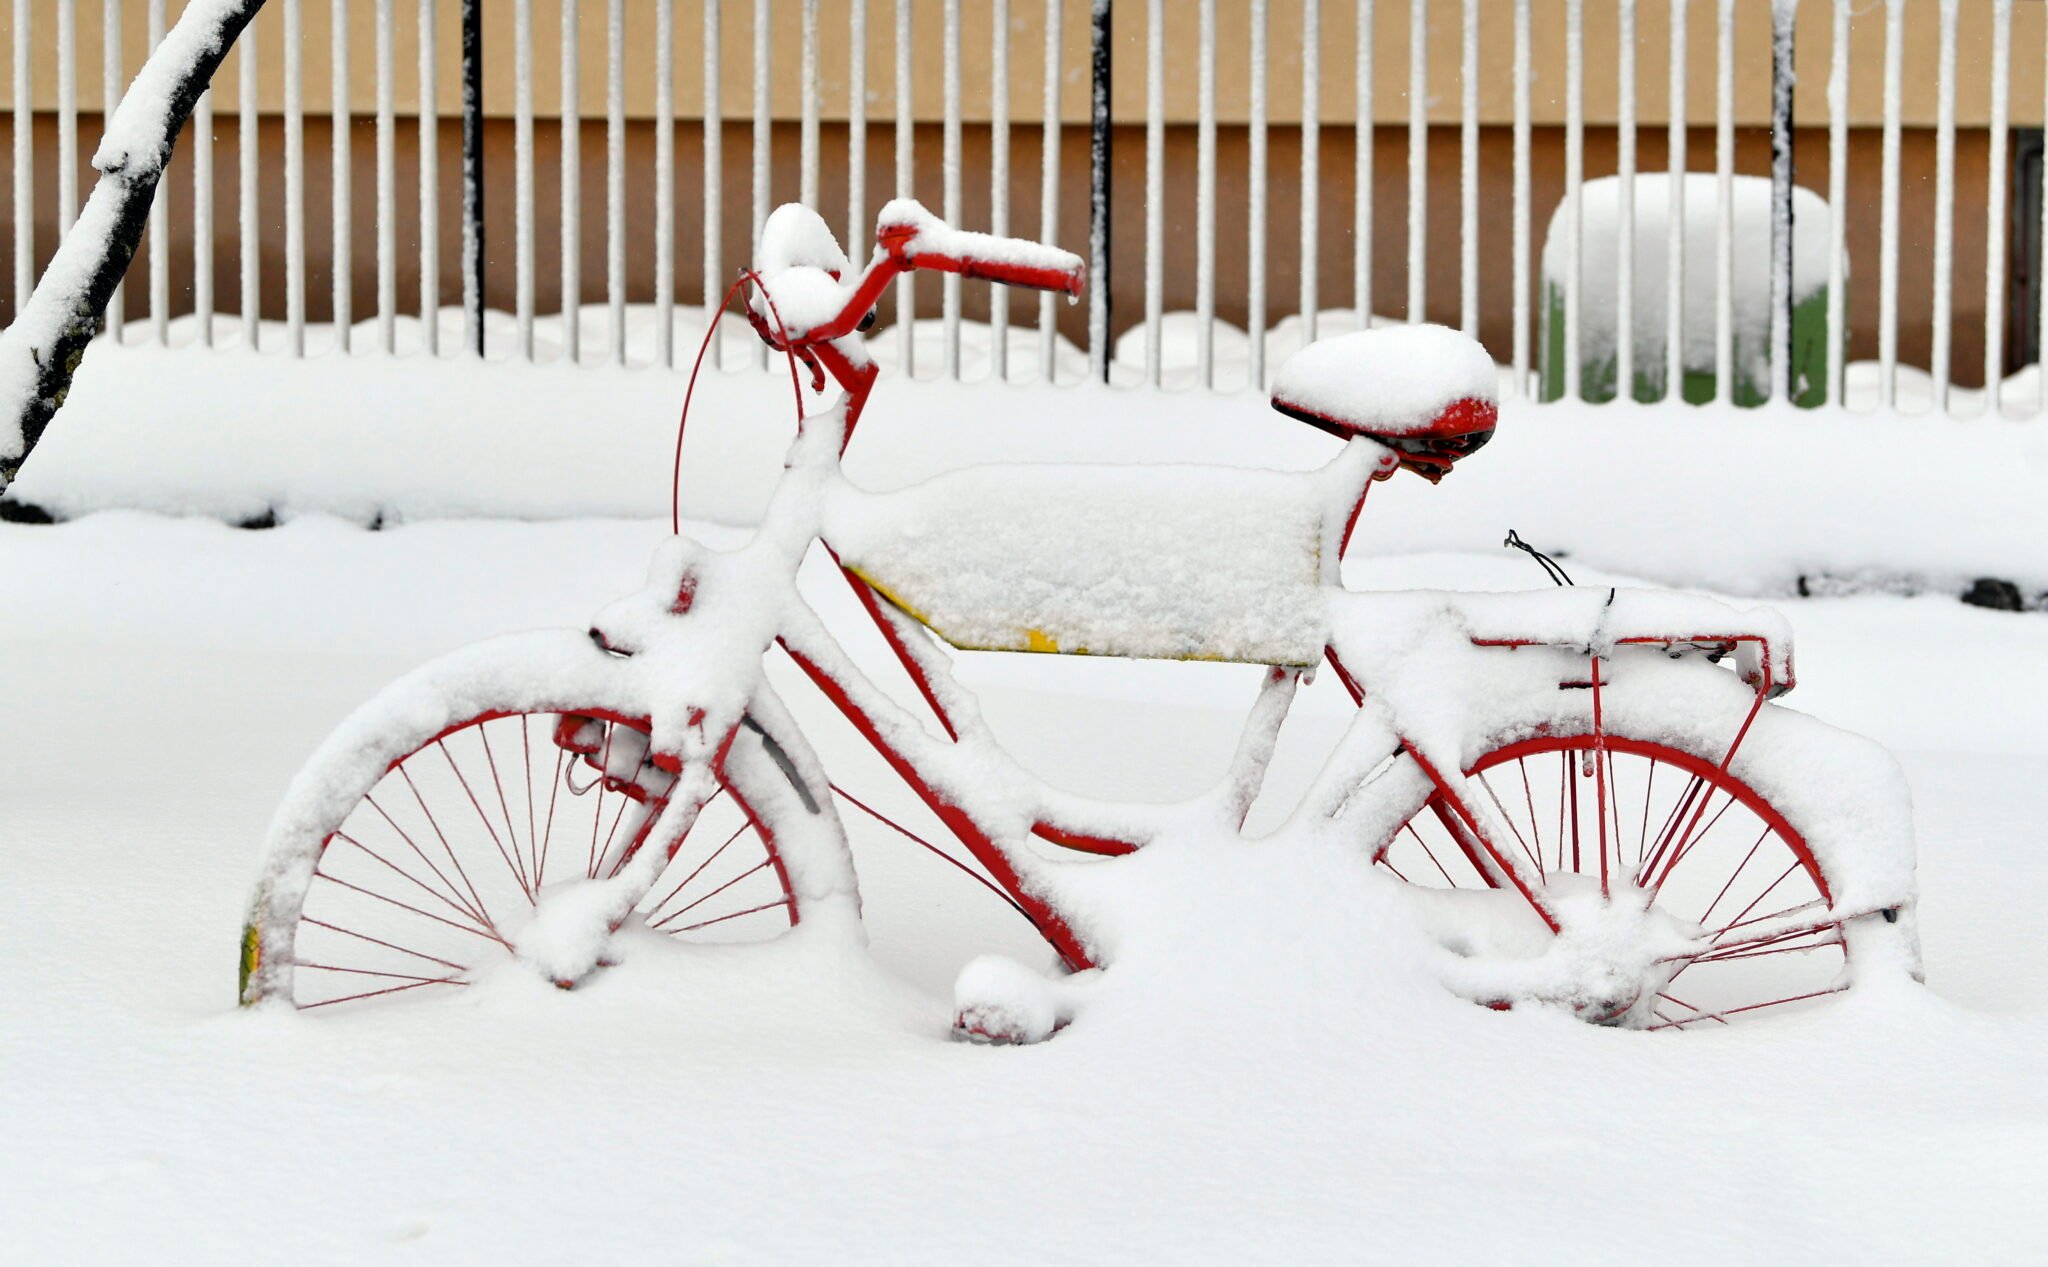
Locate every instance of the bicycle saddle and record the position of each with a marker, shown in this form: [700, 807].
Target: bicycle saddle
[1425, 391]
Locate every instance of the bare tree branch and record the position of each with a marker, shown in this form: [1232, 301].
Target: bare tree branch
[40, 352]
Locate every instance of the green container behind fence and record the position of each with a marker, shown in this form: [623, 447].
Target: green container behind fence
[1598, 265]
[1596, 374]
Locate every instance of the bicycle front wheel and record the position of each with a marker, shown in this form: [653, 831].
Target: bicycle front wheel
[425, 878]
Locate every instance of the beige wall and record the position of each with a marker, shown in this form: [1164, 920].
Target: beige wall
[1283, 254]
[1026, 71]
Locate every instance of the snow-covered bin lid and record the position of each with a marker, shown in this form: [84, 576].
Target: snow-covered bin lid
[1160, 562]
[1393, 381]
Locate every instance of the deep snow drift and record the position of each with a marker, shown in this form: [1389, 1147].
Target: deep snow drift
[1245, 1086]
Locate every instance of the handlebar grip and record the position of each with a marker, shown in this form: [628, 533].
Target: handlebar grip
[1066, 281]
[1009, 261]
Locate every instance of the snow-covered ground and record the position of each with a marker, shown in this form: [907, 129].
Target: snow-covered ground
[1269, 1090]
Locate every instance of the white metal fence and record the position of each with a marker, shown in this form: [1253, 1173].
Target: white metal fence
[1089, 42]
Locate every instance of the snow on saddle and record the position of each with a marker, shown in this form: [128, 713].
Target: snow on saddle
[1424, 391]
[1154, 562]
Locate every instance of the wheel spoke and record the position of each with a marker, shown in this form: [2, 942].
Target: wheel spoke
[369, 972]
[454, 893]
[484, 933]
[1541, 874]
[1410, 828]
[517, 861]
[453, 902]
[518, 875]
[684, 882]
[378, 941]
[752, 910]
[1754, 1007]
[1734, 875]
[442, 836]
[759, 866]
[371, 994]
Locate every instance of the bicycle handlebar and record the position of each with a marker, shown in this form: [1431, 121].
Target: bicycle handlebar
[982, 256]
[907, 237]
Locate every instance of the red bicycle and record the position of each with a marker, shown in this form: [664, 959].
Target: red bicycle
[531, 799]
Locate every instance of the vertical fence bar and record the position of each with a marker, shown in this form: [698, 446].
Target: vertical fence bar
[2041, 315]
[1049, 188]
[1838, 203]
[430, 180]
[1888, 232]
[110, 97]
[714, 181]
[2001, 82]
[387, 181]
[294, 182]
[202, 217]
[857, 227]
[341, 275]
[1205, 199]
[1995, 209]
[1311, 160]
[1724, 218]
[999, 184]
[572, 184]
[67, 116]
[1522, 280]
[1155, 185]
[665, 181]
[1418, 159]
[159, 220]
[807, 151]
[522, 174]
[1574, 183]
[1945, 208]
[615, 179]
[949, 164]
[1362, 136]
[24, 159]
[763, 140]
[1781, 202]
[1255, 219]
[1098, 191]
[250, 226]
[906, 142]
[1625, 172]
[1468, 174]
[1674, 213]
[473, 176]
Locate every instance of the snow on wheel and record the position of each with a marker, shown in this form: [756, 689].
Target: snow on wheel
[1713, 861]
[434, 873]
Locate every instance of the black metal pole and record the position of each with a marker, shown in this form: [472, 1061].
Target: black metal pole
[473, 174]
[1782, 387]
[1098, 193]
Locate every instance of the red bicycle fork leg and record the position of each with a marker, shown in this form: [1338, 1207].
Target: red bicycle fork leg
[978, 841]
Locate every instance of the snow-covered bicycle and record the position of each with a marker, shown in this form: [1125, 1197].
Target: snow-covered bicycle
[534, 798]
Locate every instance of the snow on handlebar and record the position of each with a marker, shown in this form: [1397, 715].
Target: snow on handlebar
[818, 296]
[919, 239]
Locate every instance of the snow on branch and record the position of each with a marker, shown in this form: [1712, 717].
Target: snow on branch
[40, 352]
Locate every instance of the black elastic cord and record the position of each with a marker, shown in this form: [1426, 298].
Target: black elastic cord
[1557, 575]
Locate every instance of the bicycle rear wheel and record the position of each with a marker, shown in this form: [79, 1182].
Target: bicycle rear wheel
[1666, 827]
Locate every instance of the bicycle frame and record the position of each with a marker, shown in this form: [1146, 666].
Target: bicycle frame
[992, 831]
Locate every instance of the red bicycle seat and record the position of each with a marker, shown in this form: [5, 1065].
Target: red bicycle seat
[1425, 391]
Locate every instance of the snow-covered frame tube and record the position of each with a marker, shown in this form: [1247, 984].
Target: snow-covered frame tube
[40, 352]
